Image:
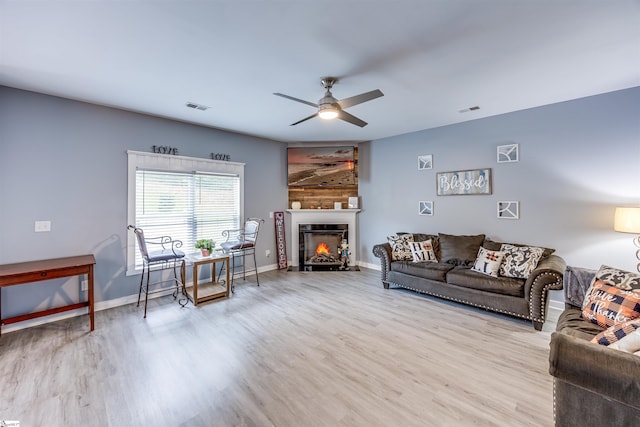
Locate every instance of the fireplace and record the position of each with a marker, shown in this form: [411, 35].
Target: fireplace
[320, 246]
[322, 216]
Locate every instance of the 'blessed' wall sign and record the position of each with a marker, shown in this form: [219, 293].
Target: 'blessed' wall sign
[476, 181]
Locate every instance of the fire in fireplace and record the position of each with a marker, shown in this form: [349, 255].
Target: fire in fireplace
[323, 255]
[320, 246]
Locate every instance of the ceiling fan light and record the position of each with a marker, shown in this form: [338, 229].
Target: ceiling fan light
[328, 112]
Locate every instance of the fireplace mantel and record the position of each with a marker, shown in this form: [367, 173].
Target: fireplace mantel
[323, 216]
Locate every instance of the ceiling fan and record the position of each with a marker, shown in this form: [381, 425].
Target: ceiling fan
[331, 108]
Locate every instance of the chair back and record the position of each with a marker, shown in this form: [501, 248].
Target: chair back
[142, 245]
[251, 228]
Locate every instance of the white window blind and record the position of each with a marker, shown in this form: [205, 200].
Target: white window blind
[186, 205]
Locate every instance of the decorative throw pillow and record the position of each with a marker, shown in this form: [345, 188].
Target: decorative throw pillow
[492, 245]
[615, 277]
[607, 305]
[420, 237]
[400, 248]
[423, 251]
[629, 343]
[488, 262]
[519, 261]
[617, 332]
[459, 250]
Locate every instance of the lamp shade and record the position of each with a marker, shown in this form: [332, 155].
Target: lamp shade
[328, 112]
[627, 220]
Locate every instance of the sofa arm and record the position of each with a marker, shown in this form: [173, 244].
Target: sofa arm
[610, 373]
[547, 276]
[383, 251]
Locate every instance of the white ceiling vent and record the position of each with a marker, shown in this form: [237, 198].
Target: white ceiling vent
[197, 106]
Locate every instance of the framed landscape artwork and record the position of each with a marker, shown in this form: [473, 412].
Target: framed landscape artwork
[321, 166]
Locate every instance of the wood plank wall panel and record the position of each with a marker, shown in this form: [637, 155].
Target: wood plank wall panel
[323, 197]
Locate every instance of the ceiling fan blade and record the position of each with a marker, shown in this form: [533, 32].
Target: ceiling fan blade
[343, 115]
[296, 99]
[359, 99]
[303, 120]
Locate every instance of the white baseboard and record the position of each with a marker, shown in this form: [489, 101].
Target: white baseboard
[131, 299]
[556, 305]
[369, 265]
[101, 305]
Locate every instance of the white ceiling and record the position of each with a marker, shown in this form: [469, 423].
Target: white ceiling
[431, 58]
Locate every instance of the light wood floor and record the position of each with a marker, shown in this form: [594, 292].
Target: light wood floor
[303, 349]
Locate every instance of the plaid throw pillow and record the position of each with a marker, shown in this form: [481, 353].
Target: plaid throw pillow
[616, 332]
[608, 306]
[615, 277]
[629, 343]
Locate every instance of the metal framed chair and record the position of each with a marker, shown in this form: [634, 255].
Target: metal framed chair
[240, 243]
[160, 253]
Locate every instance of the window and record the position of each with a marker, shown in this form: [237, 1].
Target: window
[185, 198]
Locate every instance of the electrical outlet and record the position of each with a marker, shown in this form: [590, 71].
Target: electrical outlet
[270, 214]
[267, 253]
[84, 285]
[42, 226]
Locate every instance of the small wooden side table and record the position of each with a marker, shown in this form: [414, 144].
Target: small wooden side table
[215, 289]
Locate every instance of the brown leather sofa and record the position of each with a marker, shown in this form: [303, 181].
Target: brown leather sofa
[452, 278]
[594, 385]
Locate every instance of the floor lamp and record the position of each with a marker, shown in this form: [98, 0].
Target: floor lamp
[627, 220]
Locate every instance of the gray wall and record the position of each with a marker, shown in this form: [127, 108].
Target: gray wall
[65, 162]
[578, 160]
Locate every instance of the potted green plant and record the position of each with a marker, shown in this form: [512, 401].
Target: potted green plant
[205, 246]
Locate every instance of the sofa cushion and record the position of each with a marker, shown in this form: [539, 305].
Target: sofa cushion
[423, 251]
[607, 305]
[465, 277]
[488, 262]
[519, 261]
[400, 248]
[459, 250]
[616, 332]
[572, 323]
[427, 270]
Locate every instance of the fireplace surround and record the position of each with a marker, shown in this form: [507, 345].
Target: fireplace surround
[322, 216]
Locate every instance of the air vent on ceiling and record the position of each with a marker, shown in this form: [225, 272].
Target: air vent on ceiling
[196, 106]
[466, 110]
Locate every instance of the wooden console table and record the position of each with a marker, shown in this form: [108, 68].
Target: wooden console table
[36, 271]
